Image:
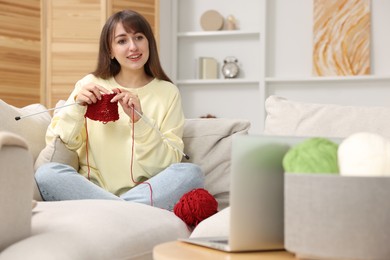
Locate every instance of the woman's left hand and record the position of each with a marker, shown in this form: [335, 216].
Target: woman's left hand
[128, 101]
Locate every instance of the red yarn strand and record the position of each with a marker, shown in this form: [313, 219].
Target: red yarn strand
[86, 148]
[132, 157]
[105, 111]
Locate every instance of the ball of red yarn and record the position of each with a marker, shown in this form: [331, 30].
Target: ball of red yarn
[195, 206]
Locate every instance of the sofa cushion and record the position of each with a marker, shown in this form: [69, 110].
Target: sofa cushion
[286, 117]
[32, 128]
[208, 143]
[96, 229]
[16, 179]
[218, 225]
[56, 151]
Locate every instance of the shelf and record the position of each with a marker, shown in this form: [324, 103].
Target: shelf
[216, 81]
[188, 42]
[274, 47]
[369, 78]
[218, 33]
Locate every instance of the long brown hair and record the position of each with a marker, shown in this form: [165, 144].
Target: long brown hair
[132, 22]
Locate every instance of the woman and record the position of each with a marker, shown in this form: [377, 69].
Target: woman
[117, 157]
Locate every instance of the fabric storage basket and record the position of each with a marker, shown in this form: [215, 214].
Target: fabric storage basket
[337, 217]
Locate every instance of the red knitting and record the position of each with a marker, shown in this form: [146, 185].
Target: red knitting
[103, 110]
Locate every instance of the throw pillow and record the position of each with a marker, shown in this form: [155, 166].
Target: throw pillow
[56, 151]
[286, 117]
[208, 144]
[218, 225]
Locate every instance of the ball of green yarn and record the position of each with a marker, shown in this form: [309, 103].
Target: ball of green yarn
[314, 155]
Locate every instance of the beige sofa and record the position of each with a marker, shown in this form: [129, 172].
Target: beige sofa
[114, 230]
[93, 229]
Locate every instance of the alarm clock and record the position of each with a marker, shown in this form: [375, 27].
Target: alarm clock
[230, 68]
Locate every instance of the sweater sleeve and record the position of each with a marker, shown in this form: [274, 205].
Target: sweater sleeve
[68, 123]
[156, 150]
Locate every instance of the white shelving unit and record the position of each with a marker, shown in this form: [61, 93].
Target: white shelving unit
[274, 48]
[229, 98]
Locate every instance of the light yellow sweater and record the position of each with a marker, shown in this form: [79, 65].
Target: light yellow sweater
[109, 145]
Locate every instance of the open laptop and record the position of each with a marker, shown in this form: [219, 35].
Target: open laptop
[256, 195]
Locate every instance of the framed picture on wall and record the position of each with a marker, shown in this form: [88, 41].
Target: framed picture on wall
[341, 37]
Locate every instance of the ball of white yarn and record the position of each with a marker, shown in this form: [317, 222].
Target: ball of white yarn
[364, 154]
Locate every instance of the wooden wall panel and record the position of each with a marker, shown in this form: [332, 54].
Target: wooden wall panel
[72, 38]
[145, 7]
[46, 46]
[20, 35]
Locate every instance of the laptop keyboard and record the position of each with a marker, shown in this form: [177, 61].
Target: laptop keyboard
[220, 241]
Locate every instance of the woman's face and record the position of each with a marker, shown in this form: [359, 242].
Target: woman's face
[131, 50]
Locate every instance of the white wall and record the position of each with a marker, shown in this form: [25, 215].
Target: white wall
[166, 35]
[289, 55]
[289, 37]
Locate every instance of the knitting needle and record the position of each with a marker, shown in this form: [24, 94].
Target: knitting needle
[161, 134]
[142, 116]
[44, 111]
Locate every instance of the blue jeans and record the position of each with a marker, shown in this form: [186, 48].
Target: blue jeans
[58, 181]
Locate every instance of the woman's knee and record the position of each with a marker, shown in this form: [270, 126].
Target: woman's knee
[189, 168]
[191, 172]
[48, 171]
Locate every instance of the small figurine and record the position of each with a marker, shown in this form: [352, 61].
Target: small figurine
[231, 22]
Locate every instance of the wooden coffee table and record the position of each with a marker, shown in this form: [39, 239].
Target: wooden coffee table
[180, 250]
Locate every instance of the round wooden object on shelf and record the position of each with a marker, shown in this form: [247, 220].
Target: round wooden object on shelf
[211, 20]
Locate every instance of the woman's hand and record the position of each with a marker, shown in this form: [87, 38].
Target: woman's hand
[90, 94]
[128, 100]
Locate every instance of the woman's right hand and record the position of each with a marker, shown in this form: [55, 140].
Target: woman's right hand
[90, 94]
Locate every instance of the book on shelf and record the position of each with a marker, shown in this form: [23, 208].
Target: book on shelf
[207, 68]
